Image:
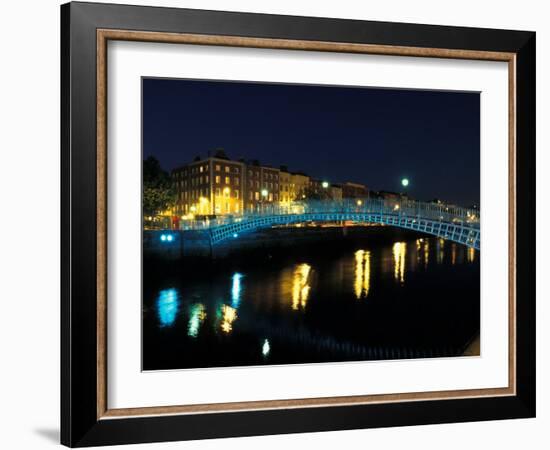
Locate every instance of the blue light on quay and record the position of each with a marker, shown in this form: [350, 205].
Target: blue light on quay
[235, 235]
[162, 237]
[166, 237]
[169, 238]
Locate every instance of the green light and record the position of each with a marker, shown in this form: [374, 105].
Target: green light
[405, 182]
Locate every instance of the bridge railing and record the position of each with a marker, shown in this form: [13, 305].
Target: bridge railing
[398, 207]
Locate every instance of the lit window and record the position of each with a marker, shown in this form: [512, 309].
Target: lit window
[218, 192]
[237, 181]
[218, 179]
[236, 194]
[201, 169]
[227, 169]
[256, 196]
[227, 180]
[218, 168]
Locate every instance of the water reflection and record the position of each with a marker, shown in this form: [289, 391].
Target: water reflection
[167, 307]
[362, 273]
[471, 255]
[229, 315]
[307, 307]
[266, 348]
[439, 248]
[453, 254]
[300, 286]
[399, 251]
[236, 289]
[426, 253]
[197, 316]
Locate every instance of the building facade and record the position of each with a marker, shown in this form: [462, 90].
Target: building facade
[209, 186]
[217, 185]
[261, 187]
[354, 190]
[299, 185]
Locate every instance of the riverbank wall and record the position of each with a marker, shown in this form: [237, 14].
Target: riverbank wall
[195, 245]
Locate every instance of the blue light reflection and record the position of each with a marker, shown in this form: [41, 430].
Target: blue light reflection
[168, 305]
[236, 289]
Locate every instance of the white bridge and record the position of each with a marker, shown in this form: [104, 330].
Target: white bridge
[456, 224]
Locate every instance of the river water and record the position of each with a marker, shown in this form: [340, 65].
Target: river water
[400, 298]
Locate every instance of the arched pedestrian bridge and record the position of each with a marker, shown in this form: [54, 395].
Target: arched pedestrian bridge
[456, 224]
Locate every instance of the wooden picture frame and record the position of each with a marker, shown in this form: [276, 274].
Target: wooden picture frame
[86, 418]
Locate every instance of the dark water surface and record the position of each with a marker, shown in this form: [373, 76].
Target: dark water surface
[405, 298]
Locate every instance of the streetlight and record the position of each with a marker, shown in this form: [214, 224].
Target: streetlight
[359, 202]
[324, 184]
[405, 182]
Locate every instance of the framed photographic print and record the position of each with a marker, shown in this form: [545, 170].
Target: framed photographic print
[276, 224]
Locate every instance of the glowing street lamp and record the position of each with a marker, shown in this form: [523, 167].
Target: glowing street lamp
[359, 202]
[324, 184]
[405, 182]
[264, 193]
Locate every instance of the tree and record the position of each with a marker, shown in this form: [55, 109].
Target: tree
[158, 192]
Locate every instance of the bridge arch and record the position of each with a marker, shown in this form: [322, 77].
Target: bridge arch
[454, 223]
[461, 233]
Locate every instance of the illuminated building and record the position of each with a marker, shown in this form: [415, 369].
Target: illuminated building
[299, 184]
[284, 186]
[261, 187]
[217, 185]
[213, 185]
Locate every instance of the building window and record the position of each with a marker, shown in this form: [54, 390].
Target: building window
[227, 180]
[250, 195]
[218, 179]
[256, 195]
[200, 169]
[270, 197]
[226, 192]
[236, 194]
[236, 170]
[237, 181]
[218, 192]
[218, 168]
[206, 178]
[226, 169]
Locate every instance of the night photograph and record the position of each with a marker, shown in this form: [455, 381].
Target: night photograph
[299, 224]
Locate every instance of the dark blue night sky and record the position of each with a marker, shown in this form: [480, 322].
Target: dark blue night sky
[370, 136]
